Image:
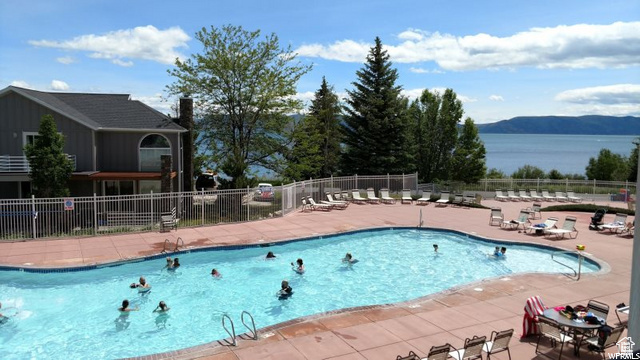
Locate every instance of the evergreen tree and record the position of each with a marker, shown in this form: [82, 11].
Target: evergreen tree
[50, 169]
[375, 125]
[469, 156]
[304, 157]
[325, 114]
[434, 119]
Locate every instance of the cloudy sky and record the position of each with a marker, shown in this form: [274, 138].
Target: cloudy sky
[503, 58]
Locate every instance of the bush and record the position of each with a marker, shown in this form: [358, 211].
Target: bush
[591, 208]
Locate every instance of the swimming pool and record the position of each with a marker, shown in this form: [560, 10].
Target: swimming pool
[64, 315]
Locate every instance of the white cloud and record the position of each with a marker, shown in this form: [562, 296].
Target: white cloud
[565, 46]
[66, 60]
[59, 85]
[619, 99]
[21, 83]
[413, 94]
[425, 71]
[157, 102]
[143, 42]
[496, 98]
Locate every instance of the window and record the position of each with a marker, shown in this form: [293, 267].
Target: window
[146, 186]
[28, 138]
[118, 187]
[151, 148]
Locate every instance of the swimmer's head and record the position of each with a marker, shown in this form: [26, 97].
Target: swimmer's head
[169, 259]
[285, 284]
[299, 261]
[214, 272]
[176, 261]
[162, 305]
[348, 256]
[125, 304]
[142, 280]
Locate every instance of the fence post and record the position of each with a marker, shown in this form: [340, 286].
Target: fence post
[356, 176]
[95, 215]
[538, 184]
[151, 207]
[566, 186]
[282, 192]
[248, 202]
[485, 184]
[33, 214]
[416, 178]
[331, 182]
[388, 182]
[404, 187]
[594, 188]
[295, 202]
[202, 205]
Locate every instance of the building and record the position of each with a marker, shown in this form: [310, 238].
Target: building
[116, 143]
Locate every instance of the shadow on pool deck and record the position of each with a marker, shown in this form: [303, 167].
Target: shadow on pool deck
[380, 332]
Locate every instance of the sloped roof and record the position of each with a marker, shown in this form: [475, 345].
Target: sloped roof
[101, 111]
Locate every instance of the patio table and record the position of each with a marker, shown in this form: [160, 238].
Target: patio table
[578, 327]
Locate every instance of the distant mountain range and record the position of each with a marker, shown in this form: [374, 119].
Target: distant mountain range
[576, 125]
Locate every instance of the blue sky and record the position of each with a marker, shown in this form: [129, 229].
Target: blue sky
[502, 58]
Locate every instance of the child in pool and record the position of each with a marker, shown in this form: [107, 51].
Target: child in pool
[162, 307]
[215, 273]
[285, 290]
[125, 307]
[299, 268]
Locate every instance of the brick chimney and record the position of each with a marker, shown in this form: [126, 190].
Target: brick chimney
[166, 185]
[186, 121]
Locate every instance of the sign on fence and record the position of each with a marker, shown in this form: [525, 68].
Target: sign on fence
[68, 204]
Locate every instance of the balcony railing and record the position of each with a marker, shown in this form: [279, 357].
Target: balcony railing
[20, 164]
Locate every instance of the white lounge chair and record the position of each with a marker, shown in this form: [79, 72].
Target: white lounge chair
[523, 195]
[499, 343]
[458, 200]
[500, 196]
[496, 216]
[522, 220]
[512, 196]
[540, 228]
[316, 206]
[406, 196]
[618, 224]
[534, 210]
[335, 203]
[425, 199]
[568, 227]
[573, 198]
[444, 199]
[547, 197]
[371, 196]
[472, 349]
[534, 195]
[469, 199]
[560, 197]
[385, 198]
[355, 197]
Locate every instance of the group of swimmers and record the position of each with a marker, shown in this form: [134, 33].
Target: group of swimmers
[498, 252]
[144, 287]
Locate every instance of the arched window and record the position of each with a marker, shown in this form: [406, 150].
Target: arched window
[151, 148]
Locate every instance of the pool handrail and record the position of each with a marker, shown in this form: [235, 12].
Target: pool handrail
[164, 247]
[252, 329]
[178, 240]
[580, 258]
[232, 334]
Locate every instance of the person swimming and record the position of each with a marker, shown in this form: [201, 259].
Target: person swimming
[285, 290]
[142, 286]
[161, 308]
[169, 264]
[435, 248]
[215, 273]
[299, 267]
[348, 258]
[270, 255]
[176, 264]
[125, 307]
[496, 251]
[503, 251]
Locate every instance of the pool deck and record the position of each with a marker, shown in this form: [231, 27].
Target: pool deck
[378, 332]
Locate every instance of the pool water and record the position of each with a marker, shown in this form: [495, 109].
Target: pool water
[74, 314]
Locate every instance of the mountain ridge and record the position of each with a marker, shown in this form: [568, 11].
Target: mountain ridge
[566, 125]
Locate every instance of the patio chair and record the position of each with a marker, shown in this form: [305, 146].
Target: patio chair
[602, 341]
[622, 309]
[371, 196]
[629, 230]
[385, 198]
[496, 216]
[560, 197]
[532, 310]
[320, 206]
[539, 228]
[523, 219]
[499, 343]
[550, 329]
[568, 227]
[335, 203]
[469, 199]
[500, 196]
[440, 352]
[425, 199]
[573, 198]
[547, 197]
[355, 197]
[406, 196]
[411, 356]
[444, 199]
[618, 224]
[305, 204]
[523, 195]
[458, 199]
[512, 196]
[534, 211]
[534, 195]
[472, 349]
[598, 309]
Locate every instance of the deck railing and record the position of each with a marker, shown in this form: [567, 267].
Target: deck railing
[20, 164]
[32, 218]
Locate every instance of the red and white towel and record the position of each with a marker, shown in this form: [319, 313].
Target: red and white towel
[532, 310]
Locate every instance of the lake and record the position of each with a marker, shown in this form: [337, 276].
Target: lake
[568, 154]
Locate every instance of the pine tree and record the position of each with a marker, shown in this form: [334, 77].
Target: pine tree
[375, 125]
[325, 113]
[50, 169]
[468, 161]
[303, 159]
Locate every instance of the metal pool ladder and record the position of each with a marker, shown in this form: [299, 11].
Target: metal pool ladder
[252, 329]
[576, 274]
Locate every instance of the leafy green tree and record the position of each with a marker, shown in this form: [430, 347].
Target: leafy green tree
[243, 87]
[608, 166]
[633, 162]
[434, 120]
[529, 172]
[555, 175]
[494, 173]
[324, 113]
[469, 157]
[50, 169]
[375, 126]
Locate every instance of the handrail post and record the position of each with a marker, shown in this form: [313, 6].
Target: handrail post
[95, 214]
[233, 329]
[202, 203]
[33, 214]
[252, 329]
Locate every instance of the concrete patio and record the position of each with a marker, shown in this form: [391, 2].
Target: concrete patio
[379, 332]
